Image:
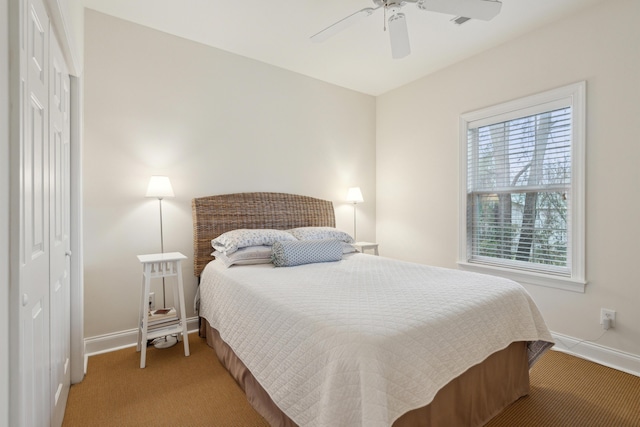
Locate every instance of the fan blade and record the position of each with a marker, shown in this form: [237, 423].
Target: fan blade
[484, 10]
[399, 36]
[342, 24]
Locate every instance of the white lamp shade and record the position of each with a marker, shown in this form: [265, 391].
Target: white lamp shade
[159, 187]
[354, 195]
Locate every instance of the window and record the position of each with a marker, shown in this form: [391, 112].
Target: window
[522, 189]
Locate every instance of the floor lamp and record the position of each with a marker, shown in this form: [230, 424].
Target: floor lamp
[354, 195]
[160, 187]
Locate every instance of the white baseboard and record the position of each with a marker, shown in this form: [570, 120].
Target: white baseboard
[606, 356]
[123, 339]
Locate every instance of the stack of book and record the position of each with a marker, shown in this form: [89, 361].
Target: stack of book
[161, 317]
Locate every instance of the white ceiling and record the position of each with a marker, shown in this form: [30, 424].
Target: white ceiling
[277, 32]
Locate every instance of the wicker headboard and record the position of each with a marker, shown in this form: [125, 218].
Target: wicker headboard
[215, 215]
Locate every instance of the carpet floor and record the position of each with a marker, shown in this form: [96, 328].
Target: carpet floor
[174, 390]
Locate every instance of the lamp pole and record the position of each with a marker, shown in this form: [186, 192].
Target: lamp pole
[354, 221]
[160, 187]
[354, 195]
[164, 298]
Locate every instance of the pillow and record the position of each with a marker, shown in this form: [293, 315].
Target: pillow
[246, 256]
[289, 254]
[318, 233]
[231, 241]
[348, 248]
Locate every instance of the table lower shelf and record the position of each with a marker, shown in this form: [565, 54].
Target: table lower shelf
[164, 329]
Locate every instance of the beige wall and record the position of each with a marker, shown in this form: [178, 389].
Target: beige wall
[214, 123]
[417, 158]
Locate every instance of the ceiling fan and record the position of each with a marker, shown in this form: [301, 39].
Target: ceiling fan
[463, 10]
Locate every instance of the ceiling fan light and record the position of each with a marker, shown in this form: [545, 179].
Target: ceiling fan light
[399, 36]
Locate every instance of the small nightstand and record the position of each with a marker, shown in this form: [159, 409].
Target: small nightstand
[158, 266]
[363, 246]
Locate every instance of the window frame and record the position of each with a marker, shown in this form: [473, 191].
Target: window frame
[573, 95]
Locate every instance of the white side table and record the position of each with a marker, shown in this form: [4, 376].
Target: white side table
[159, 266]
[363, 246]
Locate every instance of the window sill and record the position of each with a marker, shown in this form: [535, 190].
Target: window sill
[564, 283]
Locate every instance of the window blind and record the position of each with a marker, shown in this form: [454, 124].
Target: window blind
[519, 191]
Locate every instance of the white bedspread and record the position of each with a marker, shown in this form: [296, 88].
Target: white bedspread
[361, 341]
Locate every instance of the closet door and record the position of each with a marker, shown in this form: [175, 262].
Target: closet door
[59, 230]
[34, 376]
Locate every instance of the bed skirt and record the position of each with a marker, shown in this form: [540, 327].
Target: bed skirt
[471, 399]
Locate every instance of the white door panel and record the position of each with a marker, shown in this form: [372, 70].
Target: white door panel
[40, 313]
[60, 223]
[35, 329]
[34, 217]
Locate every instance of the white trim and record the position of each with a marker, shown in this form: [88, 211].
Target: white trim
[5, 371]
[16, 102]
[578, 181]
[516, 109]
[528, 277]
[77, 263]
[602, 355]
[523, 106]
[123, 339]
[574, 95]
[61, 23]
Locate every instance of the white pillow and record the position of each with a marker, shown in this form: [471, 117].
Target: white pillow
[231, 241]
[348, 248]
[320, 233]
[246, 256]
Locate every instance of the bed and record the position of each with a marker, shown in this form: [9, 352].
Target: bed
[364, 341]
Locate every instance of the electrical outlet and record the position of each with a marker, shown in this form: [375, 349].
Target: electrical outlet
[152, 300]
[610, 315]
